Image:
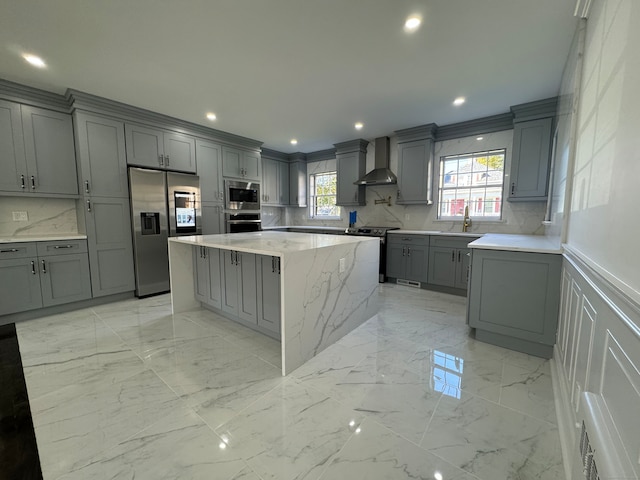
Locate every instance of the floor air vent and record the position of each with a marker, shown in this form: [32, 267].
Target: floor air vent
[408, 283]
[589, 467]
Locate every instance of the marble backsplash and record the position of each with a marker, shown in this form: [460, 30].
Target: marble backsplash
[46, 216]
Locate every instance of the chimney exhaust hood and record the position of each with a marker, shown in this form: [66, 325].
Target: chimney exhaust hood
[380, 175]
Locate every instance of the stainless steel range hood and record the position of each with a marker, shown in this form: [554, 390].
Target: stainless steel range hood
[380, 175]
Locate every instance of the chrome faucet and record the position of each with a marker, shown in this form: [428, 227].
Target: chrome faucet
[466, 223]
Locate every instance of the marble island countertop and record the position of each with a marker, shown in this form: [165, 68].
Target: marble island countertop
[271, 242]
[518, 243]
[436, 233]
[42, 238]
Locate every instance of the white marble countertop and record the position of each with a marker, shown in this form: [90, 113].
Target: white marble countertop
[517, 243]
[42, 238]
[436, 232]
[305, 227]
[271, 242]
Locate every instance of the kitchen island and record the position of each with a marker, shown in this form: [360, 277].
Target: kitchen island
[328, 283]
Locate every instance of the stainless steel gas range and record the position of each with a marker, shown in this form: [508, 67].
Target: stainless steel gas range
[380, 232]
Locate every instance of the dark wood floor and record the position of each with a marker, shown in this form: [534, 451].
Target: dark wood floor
[18, 449]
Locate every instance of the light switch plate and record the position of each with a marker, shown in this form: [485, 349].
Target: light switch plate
[20, 216]
[342, 265]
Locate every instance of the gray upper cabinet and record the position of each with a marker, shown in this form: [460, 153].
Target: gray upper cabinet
[268, 286]
[449, 261]
[154, 148]
[209, 158]
[275, 182]
[531, 160]
[351, 162]
[37, 151]
[514, 299]
[298, 184]
[238, 163]
[408, 257]
[415, 165]
[102, 157]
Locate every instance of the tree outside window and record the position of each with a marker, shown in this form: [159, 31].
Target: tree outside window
[323, 191]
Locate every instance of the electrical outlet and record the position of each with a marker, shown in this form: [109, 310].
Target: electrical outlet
[20, 216]
[342, 265]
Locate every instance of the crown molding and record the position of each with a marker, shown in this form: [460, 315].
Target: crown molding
[357, 145]
[320, 155]
[17, 92]
[582, 9]
[535, 110]
[494, 123]
[421, 132]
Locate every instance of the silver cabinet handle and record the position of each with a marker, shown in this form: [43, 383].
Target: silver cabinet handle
[166, 157]
[88, 205]
[86, 186]
[453, 255]
[273, 264]
[513, 188]
[403, 249]
[10, 250]
[44, 267]
[398, 194]
[33, 182]
[22, 182]
[33, 267]
[278, 260]
[458, 255]
[408, 251]
[57, 247]
[160, 160]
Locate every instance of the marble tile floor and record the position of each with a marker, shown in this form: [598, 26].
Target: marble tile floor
[127, 390]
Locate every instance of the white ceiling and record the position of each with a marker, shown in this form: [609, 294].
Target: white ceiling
[273, 70]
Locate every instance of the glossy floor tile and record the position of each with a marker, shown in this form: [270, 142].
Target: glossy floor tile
[129, 390]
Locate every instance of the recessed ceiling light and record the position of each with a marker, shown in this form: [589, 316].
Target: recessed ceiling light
[359, 125]
[294, 141]
[211, 116]
[459, 101]
[34, 60]
[480, 138]
[412, 23]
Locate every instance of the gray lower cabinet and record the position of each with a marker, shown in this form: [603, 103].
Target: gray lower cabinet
[514, 298]
[408, 257]
[43, 274]
[531, 160]
[449, 261]
[208, 280]
[108, 228]
[154, 148]
[37, 151]
[268, 286]
[239, 284]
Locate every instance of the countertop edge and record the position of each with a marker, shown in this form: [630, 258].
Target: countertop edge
[517, 243]
[42, 238]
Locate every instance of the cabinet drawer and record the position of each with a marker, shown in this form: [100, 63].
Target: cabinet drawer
[17, 250]
[422, 240]
[62, 247]
[451, 242]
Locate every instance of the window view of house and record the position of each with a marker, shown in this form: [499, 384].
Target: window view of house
[322, 197]
[473, 180]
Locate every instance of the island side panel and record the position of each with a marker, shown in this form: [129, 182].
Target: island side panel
[322, 304]
[182, 277]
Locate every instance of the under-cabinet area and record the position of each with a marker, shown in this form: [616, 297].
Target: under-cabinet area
[308, 290]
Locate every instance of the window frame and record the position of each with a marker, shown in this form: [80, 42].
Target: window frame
[477, 214]
[312, 196]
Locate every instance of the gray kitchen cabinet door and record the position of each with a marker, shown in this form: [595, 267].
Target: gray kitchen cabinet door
[64, 278]
[530, 160]
[49, 151]
[209, 162]
[247, 287]
[396, 266]
[417, 260]
[237, 163]
[179, 152]
[201, 267]
[212, 218]
[214, 283]
[108, 228]
[514, 299]
[462, 268]
[351, 166]
[102, 156]
[230, 282]
[414, 172]
[270, 179]
[252, 165]
[269, 293]
[442, 266]
[145, 146]
[298, 184]
[20, 282]
[283, 182]
[13, 168]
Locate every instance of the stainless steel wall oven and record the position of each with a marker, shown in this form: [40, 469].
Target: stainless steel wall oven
[240, 195]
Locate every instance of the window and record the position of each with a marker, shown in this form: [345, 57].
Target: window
[473, 180]
[322, 197]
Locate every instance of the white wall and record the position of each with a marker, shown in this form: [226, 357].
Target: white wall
[48, 216]
[520, 217]
[603, 226]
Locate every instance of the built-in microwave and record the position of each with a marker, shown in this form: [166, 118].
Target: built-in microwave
[241, 195]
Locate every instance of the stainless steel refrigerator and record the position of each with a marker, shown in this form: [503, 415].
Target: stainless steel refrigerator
[163, 204]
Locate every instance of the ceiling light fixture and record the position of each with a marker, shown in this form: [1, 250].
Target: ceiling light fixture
[459, 101]
[211, 116]
[480, 138]
[294, 141]
[359, 125]
[412, 23]
[34, 60]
